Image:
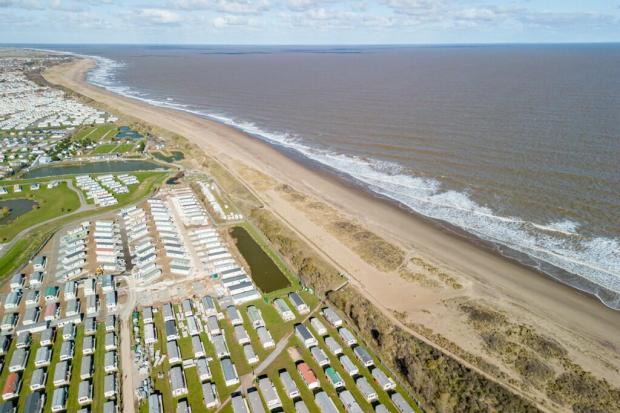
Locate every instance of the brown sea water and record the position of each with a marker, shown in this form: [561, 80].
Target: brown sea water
[517, 145]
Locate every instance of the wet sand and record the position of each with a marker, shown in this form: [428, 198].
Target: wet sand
[577, 320]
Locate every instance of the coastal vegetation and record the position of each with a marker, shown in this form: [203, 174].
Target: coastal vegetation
[541, 361]
[375, 250]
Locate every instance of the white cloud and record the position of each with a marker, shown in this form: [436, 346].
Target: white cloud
[160, 16]
[22, 4]
[243, 6]
[301, 5]
[221, 22]
[224, 6]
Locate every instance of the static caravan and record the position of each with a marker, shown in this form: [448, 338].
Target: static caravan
[171, 330]
[348, 337]
[400, 403]
[269, 393]
[213, 326]
[209, 395]
[86, 368]
[197, 347]
[332, 317]
[88, 345]
[255, 316]
[173, 352]
[221, 348]
[326, 405]
[12, 386]
[208, 305]
[319, 356]
[283, 309]
[239, 405]
[150, 334]
[305, 336]
[90, 326]
[110, 341]
[18, 360]
[241, 335]
[265, 338]
[299, 303]
[178, 385]
[203, 370]
[66, 350]
[382, 379]
[308, 375]
[147, 315]
[59, 399]
[62, 373]
[85, 393]
[47, 337]
[23, 339]
[300, 407]
[192, 326]
[349, 402]
[109, 386]
[43, 357]
[37, 380]
[110, 362]
[366, 389]
[230, 372]
[333, 346]
[349, 366]
[250, 355]
[334, 378]
[364, 356]
[290, 387]
[234, 316]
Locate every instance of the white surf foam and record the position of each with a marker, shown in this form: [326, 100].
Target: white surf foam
[596, 259]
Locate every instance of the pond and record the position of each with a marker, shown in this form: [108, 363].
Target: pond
[16, 207]
[174, 156]
[264, 271]
[92, 168]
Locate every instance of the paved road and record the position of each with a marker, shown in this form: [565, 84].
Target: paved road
[126, 353]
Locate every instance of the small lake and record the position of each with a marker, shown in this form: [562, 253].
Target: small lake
[174, 156]
[92, 168]
[264, 271]
[16, 208]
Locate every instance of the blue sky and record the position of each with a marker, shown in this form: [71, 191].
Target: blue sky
[308, 21]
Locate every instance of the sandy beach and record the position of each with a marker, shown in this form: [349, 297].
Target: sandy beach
[589, 330]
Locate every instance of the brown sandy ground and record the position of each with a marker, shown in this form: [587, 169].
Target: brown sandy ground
[542, 340]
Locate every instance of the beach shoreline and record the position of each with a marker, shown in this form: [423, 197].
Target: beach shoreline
[553, 305]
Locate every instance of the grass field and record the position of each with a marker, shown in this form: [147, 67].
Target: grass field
[99, 373]
[103, 149]
[76, 363]
[96, 133]
[125, 147]
[49, 384]
[51, 203]
[107, 148]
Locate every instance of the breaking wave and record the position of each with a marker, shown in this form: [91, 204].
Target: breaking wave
[549, 245]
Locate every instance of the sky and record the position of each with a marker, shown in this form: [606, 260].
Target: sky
[308, 21]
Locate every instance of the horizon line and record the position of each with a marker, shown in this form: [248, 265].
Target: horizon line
[318, 44]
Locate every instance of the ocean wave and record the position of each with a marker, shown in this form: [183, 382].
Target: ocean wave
[596, 259]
